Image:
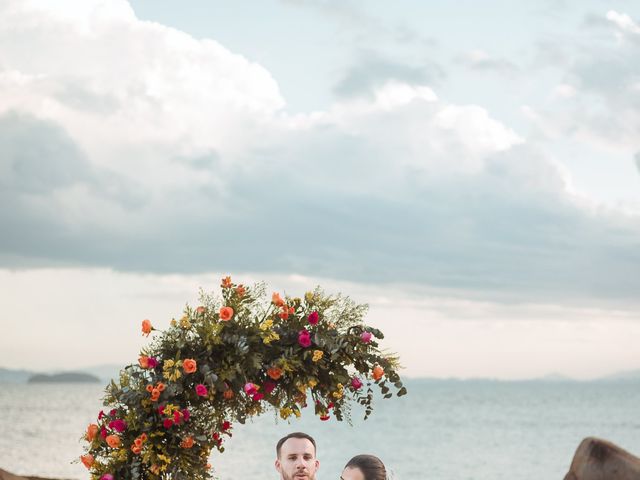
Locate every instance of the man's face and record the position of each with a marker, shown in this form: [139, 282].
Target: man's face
[297, 460]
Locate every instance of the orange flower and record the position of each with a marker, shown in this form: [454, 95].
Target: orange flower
[377, 372]
[113, 441]
[149, 388]
[143, 437]
[226, 313]
[87, 460]
[155, 395]
[143, 361]
[286, 311]
[189, 365]
[187, 442]
[138, 442]
[226, 282]
[160, 387]
[136, 449]
[228, 394]
[240, 290]
[274, 372]
[92, 431]
[277, 300]
[146, 327]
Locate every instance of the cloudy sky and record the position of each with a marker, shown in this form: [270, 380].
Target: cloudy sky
[470, 171]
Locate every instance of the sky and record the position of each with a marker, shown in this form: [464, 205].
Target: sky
[469, 170]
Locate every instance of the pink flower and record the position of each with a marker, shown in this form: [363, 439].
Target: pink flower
[226, 425]
[250, 389]
[177, 418]
[161, 409]
[112, 413]
[304, 338]
[106, 476]
[103, 432]
[118, 425]
[268, 386]
[186, 415]
[356, 383]
[201, 390]
[100, 415]
[257, 396]
[152, 362]
[313, 318]
[168, 423]
[365, 337]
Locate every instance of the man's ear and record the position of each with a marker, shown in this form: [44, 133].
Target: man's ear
[278, 465]
[317, 464]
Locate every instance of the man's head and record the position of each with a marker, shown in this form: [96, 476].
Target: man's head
[296, 457]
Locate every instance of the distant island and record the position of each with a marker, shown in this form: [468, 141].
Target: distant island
[68, 377]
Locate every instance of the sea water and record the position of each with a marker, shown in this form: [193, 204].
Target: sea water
[441, 430]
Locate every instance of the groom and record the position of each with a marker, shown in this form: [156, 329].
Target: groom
[296, 457]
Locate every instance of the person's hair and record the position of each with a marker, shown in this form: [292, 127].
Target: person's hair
[371, 467]
[294, 435]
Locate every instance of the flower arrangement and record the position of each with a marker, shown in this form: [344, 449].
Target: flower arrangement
[231, 358]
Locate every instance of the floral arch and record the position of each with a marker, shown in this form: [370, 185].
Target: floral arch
[235, 356]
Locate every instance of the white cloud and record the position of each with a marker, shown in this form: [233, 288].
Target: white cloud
[167, 153]
[623, 21]
[84, 317]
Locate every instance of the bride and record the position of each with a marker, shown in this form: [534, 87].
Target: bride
[364, 467]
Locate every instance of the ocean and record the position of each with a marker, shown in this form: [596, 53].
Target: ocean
[441, 430]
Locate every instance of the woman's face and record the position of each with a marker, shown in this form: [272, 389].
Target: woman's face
[352, 474]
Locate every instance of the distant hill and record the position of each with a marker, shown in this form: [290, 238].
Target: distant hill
[14, 376]
[67, 377]
[626, 376]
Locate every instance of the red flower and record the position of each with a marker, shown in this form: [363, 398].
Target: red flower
[258, 396]
[103, 432]
[177, 418]
[304, 338]
[201, 390]
[226, 425]
[118, 425]
[161, 409]
[324, 418]
[168, 423]
[186, 415]
[313, 318]
[356, 383]
[268, 386]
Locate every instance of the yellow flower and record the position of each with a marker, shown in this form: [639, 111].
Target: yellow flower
[296, 412]
[285, 412]
[308, 297]
[185, 322]
[270, 337]
[173, 322]
[340, 392]
[266, 325]
[312, 383]
[317, 355]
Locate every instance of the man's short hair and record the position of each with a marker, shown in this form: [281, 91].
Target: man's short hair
[295, 435]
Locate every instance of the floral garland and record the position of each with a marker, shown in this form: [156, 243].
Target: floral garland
[227, 360]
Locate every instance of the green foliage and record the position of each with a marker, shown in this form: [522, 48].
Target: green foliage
[233, 357]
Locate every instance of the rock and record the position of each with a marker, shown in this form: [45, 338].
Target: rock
[4, 475]
[597, 459]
